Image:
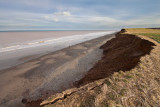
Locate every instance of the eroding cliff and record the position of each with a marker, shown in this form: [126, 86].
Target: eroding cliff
[127, 75]
[121, 53]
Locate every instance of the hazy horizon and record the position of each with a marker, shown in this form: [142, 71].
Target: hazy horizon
[55, 30]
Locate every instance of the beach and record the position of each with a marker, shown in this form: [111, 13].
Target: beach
[19, 47]
[48, 73]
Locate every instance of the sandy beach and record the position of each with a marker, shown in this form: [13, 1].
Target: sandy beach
[24, 46]
[50, 73]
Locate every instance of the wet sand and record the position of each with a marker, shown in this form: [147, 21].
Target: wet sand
[53, 72]
[21, 52]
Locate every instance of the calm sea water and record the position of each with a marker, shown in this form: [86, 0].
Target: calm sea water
[19, 40]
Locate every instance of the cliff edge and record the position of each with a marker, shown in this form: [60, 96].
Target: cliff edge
[127, 75]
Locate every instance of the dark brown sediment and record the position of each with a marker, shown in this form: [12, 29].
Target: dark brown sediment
[120, 53]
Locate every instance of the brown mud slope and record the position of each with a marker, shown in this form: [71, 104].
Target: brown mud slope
[121, 53]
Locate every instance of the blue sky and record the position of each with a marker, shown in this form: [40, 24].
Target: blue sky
[78, 14]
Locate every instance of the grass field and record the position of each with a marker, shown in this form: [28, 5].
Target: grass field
[152, 33]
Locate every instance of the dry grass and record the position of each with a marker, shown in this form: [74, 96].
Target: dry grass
[152, 33]
[138, 87]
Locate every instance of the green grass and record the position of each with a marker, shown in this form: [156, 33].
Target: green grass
[154, 36]
[151, 33]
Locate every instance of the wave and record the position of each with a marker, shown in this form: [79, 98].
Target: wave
[73, 39]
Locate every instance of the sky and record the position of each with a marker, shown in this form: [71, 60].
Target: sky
[78, 14]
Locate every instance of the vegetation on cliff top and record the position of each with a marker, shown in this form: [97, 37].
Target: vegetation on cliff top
[152, 33]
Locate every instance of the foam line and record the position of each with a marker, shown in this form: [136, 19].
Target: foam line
[56, 41]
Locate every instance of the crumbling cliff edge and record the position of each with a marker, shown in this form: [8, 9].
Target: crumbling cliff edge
[127, 75]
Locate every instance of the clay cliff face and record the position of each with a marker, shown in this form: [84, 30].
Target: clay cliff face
[121, 53]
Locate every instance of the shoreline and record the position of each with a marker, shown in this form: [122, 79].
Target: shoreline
[28, 80]
[10, 55]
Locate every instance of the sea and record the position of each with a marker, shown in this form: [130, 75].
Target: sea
[15, 45]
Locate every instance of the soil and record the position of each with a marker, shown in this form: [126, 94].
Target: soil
[120, 53]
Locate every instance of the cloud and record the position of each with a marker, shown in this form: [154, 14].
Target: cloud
[51, 18]
[46, 17]
[102, 19]
[57, 16]
[98, 22]
[66, 17]
[55, 19]
[64, 13]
